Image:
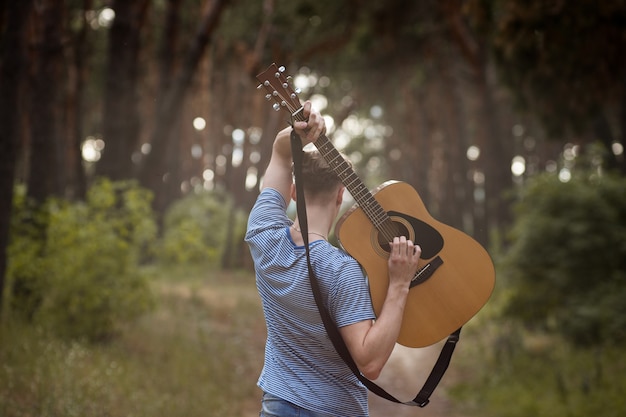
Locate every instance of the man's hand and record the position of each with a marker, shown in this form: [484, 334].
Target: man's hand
[403, 259]
[278, 174]
[310, 130]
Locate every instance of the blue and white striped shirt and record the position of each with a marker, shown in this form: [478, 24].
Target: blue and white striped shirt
[301, 365]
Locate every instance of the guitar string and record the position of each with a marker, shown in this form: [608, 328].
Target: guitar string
[380, 219]
[374, 211]
[378, 216]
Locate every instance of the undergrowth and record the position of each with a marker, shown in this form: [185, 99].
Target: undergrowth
[197, 353]
[509, 372]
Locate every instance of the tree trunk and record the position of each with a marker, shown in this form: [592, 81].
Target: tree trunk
[121, 103]
[46, 104]
[167, 50]
[75, 109]
[11, 71]
[168, 110]
[495, 167]
[622, 137]
[455, 163]
[168, 62]
[603, 131]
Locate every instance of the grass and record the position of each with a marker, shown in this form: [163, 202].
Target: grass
[200, 351]
[504, 370]
[508, 372]
[197, 354]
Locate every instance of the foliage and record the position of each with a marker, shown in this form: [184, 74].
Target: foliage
[567, 264]
[511, 373]
[564, 61]
[200, 349]
[196, 228]
[73, 266]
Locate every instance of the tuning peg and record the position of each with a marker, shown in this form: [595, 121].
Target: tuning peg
[268, 96]
[258, 87]
[276, 106]
[298, 90]
[281, 69]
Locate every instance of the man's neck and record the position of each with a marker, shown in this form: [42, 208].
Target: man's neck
[319, 221]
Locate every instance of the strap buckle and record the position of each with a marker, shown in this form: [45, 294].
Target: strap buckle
[421, 403]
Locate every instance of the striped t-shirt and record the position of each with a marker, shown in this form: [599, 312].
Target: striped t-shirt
[301, 365]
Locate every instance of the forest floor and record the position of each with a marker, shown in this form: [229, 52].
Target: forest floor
[403, 377]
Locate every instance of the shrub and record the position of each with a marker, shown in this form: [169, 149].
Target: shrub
[196, 229]
[567, 263]
[83, 268]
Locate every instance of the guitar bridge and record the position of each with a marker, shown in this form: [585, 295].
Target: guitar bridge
[426, 272]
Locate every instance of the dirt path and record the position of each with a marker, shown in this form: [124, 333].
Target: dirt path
[403, 377]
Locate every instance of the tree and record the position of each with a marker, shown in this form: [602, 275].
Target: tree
[121, 118]
[47, 95]
[419, 56]
[168, 109]
[76, 103]
[12, 66]
[564, 63]
[567, 265]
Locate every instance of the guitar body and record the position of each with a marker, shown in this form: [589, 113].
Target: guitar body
[460, 278]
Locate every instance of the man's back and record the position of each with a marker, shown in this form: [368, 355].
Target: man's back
[301, 365]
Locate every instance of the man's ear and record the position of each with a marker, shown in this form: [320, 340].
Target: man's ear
[293, 192]
[340, 195]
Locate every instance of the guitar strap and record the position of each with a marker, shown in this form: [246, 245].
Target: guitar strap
[440, 367]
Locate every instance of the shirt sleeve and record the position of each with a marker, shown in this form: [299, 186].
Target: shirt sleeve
[269, 211]
[351, 301]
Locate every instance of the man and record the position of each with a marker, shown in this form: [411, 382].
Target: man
[302, 374]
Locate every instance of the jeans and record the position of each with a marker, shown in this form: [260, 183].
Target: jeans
[272, 406]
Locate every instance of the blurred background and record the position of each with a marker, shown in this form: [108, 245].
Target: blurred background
[133, 140]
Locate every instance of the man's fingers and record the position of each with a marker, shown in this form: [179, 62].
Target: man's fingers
[401, 246]
[313, 126]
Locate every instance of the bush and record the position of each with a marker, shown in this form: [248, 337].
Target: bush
[200, 349]
[196, 229]
[531, 374]
[567, 264]
[74, 266]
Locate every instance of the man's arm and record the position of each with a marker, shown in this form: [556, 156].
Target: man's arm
[371, 342]
[279, 174]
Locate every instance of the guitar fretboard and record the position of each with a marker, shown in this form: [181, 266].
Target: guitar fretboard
[356, 188]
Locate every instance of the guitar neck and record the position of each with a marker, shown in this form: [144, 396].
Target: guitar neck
[361, 194]
[355, 186]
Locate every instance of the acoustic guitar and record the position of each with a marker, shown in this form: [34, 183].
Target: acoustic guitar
[455, 275]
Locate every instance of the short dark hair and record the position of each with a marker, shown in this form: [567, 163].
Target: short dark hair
[317, 176]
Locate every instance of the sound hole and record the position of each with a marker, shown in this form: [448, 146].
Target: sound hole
[400, 230]
[421, 233]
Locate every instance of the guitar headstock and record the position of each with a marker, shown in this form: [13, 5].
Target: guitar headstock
[279, 89]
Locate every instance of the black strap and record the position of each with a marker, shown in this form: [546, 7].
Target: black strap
[422, 398]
